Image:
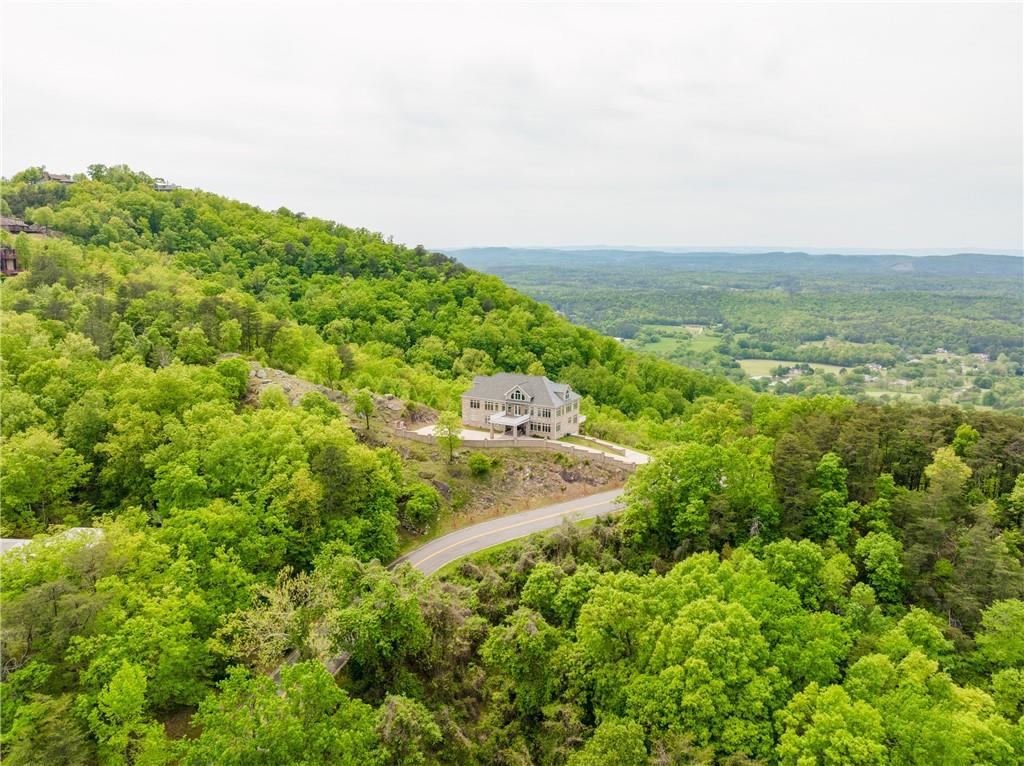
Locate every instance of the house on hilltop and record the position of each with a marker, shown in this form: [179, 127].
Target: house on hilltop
[525, 405]
[15, 225]
[61, 178]
[163, 186]
[18, 226]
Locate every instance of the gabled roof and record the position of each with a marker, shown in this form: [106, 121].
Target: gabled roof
[542, 392]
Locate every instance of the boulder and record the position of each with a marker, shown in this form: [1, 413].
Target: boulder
[444, 489]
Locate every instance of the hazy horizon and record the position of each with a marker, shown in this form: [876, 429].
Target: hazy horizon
[887, 127]
[750, 250]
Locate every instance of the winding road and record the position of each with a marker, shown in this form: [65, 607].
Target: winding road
[437, 553]
[432, 556]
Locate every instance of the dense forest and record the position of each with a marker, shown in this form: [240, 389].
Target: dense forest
[846, 311]
[793, 581]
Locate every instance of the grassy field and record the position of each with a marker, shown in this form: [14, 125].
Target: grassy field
[665, 345]
[894, 394]
[755, 367]
[671, 337]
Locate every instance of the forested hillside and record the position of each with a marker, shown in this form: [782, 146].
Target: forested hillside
[793, 581]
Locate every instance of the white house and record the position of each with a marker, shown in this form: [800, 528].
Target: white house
[526, 405]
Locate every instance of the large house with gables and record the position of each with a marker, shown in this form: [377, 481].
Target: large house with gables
[523, 405]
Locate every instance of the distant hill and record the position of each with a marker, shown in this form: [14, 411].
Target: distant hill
[962, 264]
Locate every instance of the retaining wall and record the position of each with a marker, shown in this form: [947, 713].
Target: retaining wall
[526, 442]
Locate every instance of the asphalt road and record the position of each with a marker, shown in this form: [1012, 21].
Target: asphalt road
[453, 546]
[437, 553]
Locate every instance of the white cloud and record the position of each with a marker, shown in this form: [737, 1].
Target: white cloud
[858, 125]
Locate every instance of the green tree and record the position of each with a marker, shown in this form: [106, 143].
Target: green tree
[363, 405]
[119, 721]
[825, 726]
[882, 557]
[308, 720]
[193, 346]
[616, 740]
[39, 476]
[406, 730]
[47, 730]
[326, 367]
[448, 433]
[523, 649]
[230, 335]
[1001, 638]
[965, 438]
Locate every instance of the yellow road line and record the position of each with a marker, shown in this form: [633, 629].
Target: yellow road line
[508, 526]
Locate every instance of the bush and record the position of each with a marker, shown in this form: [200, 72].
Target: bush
[480, 464]
[420, 508]
[273, 397]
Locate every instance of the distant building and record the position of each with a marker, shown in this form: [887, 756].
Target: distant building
[8, 261]
[60, 178]
[162, 186]
[527, 405]
[14, 225]
[18, 226]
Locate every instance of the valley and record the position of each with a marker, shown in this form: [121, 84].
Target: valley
[944, 330]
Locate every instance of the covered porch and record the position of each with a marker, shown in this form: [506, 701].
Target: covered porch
[505, 421]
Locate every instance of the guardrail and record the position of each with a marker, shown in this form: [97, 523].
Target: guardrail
[528, 442]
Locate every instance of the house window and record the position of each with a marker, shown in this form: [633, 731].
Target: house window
[558, 427]
[474, 404]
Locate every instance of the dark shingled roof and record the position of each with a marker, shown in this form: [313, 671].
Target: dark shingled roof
[542, 392]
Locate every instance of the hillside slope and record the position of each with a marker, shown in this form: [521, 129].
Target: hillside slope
[788, 576]
[293, 289]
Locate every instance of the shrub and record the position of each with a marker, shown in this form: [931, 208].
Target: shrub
[420, 508]
[480, 464]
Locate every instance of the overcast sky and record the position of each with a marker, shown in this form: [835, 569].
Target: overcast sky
[875, 126]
